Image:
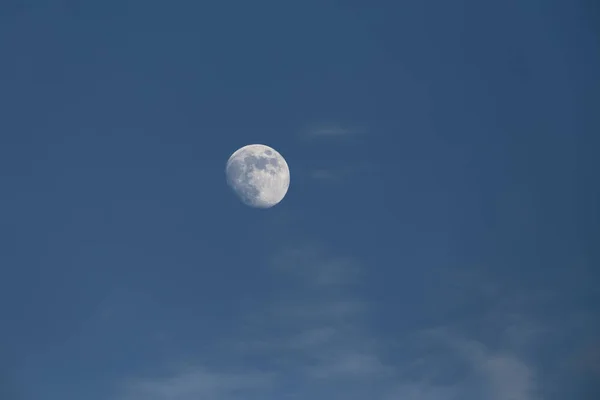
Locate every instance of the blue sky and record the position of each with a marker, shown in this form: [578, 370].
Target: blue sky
[438, 240]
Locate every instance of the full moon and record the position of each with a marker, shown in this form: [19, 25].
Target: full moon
[258, 175]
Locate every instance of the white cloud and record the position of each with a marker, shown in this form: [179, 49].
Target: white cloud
[315, 341]
[312, 338]
[350, 365]
[494, 374]
[332, 131]
[422, 391]
[321, 335]
[509, 377]
[326, 174]
[197, 383]
[341, 173]
[329, 311]
[347, 164]
[319, 341]
[313, 264]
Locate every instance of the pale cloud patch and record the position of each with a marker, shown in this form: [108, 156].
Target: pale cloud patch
[329, 175]
[349, 364]
[349, 161]
[322, 334]
[340, 174]
[314, 340]
[589, 359]
[315, 266]
[332, 131]
[422, 391]
[197, 383]
[508, 376]
[320, 311]
[493, 374]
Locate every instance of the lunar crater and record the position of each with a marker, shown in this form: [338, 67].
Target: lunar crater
[259, 175]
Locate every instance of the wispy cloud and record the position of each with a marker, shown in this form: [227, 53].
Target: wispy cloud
[314, 335]
[325, 336]
[505, 375]
[326, 174]
[456, 367]
[421, 391]
[333, 131]
[315, 340]
[349, 364]
[197, 383]
[315, 266]
[509, 377]
[349, 160]
[339, 174]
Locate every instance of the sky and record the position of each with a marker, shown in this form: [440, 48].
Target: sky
[438, 240]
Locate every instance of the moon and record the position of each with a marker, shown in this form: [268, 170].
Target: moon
[258, 175]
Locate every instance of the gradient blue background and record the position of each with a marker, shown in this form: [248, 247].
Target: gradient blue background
[444, 171]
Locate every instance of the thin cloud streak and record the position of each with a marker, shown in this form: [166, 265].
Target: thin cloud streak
[334, 131]
[331, 131]
[321, 341]
[311, 263]
[196, 383]
[343, 173]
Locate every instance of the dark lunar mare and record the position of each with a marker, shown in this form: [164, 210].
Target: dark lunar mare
[239, 172]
